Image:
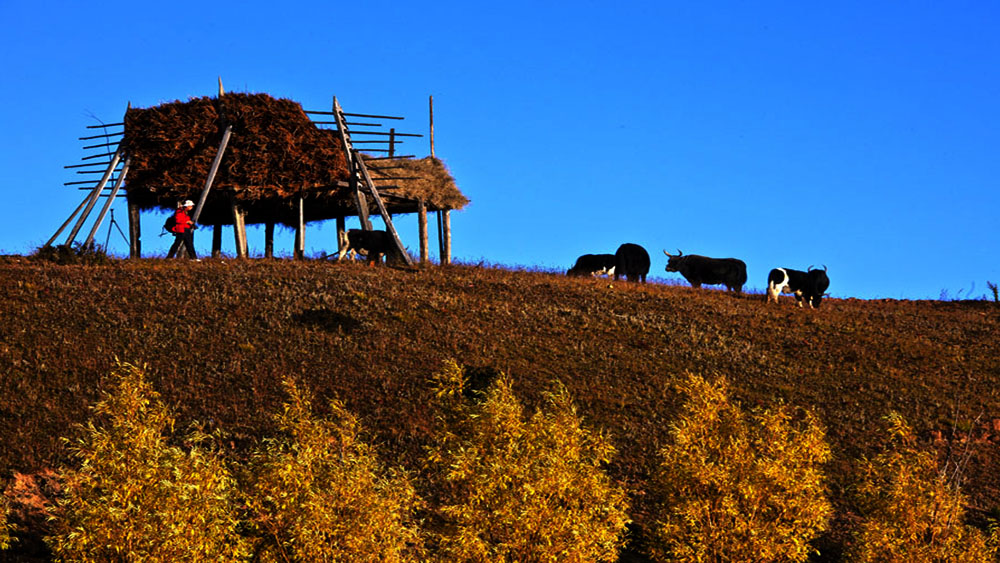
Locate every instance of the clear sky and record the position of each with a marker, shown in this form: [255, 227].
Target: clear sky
[864, 136]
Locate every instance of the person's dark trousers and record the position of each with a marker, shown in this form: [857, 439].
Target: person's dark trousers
[187, 237]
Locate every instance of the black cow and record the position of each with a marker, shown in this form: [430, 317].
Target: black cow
[807, 286]
[593, 265]
[631, 261]
[712, 271]
[374, 244]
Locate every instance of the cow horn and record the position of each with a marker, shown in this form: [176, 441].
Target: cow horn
[667, 253]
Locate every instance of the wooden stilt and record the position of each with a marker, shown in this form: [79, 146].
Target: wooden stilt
[134, 231]
[269, 239]
[422, 228]
[239, 229]
[300, 229]
[216, 240]
[107, 204]
[444, 226]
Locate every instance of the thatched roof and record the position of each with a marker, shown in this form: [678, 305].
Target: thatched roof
[275, 154]
[426, 178]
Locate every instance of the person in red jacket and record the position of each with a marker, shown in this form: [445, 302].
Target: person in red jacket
[183, 230]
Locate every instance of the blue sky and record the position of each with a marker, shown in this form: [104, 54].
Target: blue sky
[863, 136]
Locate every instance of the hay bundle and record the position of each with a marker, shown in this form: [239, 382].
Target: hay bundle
[275, 151]
[275, 154]
[425, 178]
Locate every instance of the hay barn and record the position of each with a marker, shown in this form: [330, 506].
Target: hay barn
[277, 167]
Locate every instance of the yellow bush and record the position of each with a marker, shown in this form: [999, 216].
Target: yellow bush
[516, 490]
[319, 493]
[912, 511]
[5, 527]
[133, 497]
[739, 486]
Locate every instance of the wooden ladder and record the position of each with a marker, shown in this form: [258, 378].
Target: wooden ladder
[361, 183]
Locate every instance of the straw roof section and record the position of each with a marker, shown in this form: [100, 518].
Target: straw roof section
[275, 154]
[424, 178]
[275, 151]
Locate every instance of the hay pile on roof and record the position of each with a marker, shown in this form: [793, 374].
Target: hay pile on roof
[276, 153]
[425, 178]
[275, 150]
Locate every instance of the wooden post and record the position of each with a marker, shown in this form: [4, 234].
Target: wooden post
[431, 103]
[422, 227]
[216, 240]
[68, 221]
[107, 204]
[134, 231]
[392, 142]
[300, 229]
[92, 198]
[211, 173]
[444, 230]
[269, 239]
[239, 230]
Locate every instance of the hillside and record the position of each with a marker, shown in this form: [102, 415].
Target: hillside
[219, 335]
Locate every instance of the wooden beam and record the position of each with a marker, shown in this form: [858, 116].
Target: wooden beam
[422, 228]
[386, 218]
[269, 239]
[431, 107]
[239, 229]
[216, 240]
[345, 141]
[300, 229]
[444, 226]
[66, 223]
[107, 204]
[92, 199]
[211, 172]
[134, 231]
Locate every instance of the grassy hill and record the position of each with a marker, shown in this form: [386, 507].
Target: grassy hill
[219, 335]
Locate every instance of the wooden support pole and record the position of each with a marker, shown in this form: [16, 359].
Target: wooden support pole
[422, 227]
[269, 239]
[92, 198]
[300, 229]
[107, 204]
[431, 107]
[134, 231]
[66, 223]
[212, 172]
[216, 240]
[239, 229]
[444, 229]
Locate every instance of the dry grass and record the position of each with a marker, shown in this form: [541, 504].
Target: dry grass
[219, 337]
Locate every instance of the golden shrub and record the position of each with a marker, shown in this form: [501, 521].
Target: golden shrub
[516, 490]
[739, 486]
[133, 497]
[913, 512]
[319, 493]
[6, 528]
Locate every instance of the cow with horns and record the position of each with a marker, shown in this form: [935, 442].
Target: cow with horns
[808, 286]
[698, 270]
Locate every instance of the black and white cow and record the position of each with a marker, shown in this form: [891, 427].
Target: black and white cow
[698, 270]
[632, 262]
[373, 244]
[593, 265]
[808, 286]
